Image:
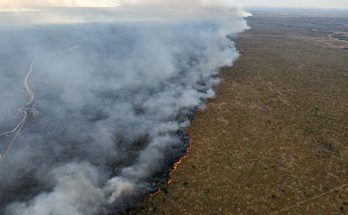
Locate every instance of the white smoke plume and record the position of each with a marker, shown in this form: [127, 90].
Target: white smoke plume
[111, 3]
[57, 3]
[114, 91]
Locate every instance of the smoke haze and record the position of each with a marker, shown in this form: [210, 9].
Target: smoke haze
[114, 91]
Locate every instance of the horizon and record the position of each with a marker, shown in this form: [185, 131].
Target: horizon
[106, 7]
[265, 4]
[314, 4]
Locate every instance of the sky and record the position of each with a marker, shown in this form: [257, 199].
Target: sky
[112, 3]
[294, 3]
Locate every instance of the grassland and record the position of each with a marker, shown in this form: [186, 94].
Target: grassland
[274, 140]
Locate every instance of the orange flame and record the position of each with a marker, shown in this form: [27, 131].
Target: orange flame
[175, 166]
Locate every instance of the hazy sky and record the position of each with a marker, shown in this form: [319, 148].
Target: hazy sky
[295, 3]
[111, 3]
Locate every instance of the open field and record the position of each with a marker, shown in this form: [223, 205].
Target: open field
[275, 138]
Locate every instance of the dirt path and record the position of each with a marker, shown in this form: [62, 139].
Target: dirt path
[28, 109]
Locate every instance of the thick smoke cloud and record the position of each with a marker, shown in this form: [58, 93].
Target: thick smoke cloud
[113, 96]
[112, 3]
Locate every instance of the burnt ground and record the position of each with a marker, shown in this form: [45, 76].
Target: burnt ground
[274, 140]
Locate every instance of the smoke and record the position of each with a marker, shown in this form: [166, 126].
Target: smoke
[57, 3]
[112, 3]
[114, 91]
